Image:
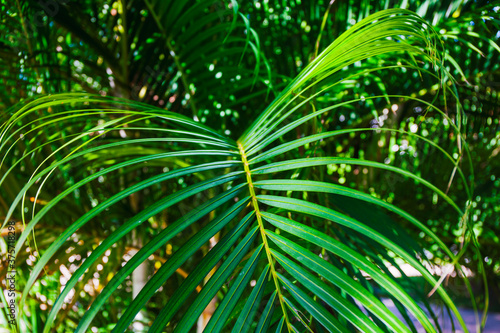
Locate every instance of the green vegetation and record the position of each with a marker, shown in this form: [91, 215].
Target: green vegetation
[267, 166]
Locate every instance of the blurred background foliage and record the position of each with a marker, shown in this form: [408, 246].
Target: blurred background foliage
[221, 63]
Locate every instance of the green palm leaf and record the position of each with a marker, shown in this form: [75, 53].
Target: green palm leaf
[257, 284]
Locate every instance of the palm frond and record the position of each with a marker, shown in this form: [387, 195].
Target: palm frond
[283, 248]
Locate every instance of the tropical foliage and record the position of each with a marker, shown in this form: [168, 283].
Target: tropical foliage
[262, 166]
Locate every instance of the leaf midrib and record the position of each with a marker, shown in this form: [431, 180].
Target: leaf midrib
[255, 205]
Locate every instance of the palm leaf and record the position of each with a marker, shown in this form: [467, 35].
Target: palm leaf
[308, 293]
